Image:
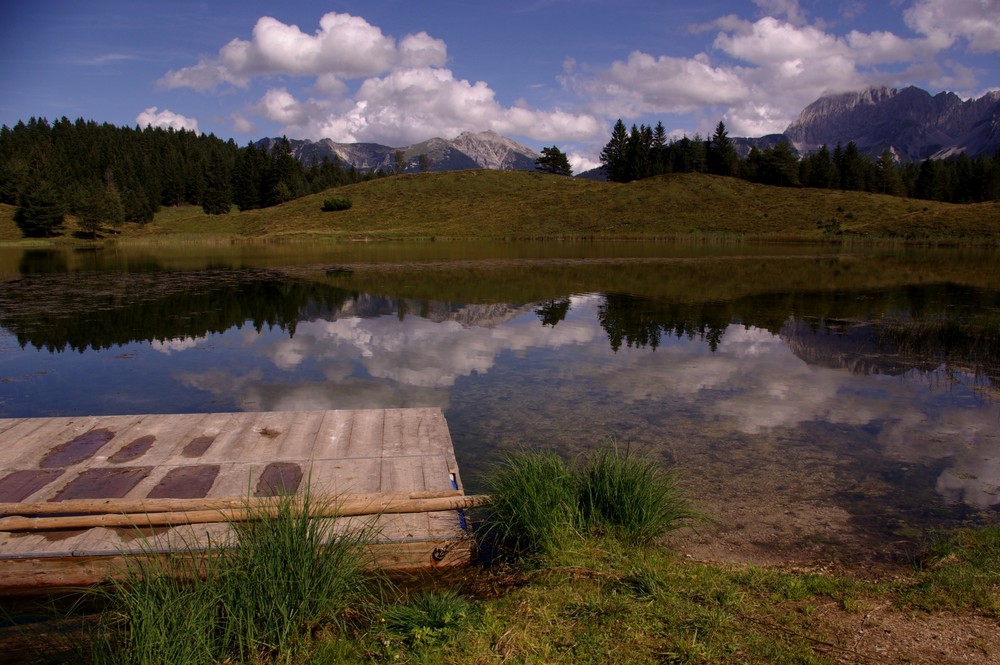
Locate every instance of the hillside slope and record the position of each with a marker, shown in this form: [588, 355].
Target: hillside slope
[517, 204]
[512, 204]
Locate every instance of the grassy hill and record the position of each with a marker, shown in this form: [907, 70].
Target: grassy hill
[516, 204]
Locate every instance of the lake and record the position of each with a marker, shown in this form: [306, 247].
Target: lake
[819, 403]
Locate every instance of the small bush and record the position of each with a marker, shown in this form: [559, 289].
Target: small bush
[335, 204]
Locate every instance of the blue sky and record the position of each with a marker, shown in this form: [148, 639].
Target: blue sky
[541, 71]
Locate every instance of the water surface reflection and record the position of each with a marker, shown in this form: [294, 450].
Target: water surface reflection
[815, 403]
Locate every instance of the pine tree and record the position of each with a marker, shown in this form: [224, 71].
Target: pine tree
[42, 212]
[217, 197]
[780, 166]
[658, 153]
[554, 161]
[889, 180]
[613, 155]
[722, 157]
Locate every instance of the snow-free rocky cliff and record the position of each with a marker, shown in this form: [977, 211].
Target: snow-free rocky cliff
[468, 150]
[909, 121]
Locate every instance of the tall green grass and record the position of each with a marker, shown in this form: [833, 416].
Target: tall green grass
[533, 505]
[163, 610]
[630, 497]
[257, 600]
[289, 573]
[538, 502]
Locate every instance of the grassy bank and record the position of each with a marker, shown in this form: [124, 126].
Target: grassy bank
[515, 204]
[586, 580]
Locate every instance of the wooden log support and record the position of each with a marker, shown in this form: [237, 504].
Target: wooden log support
[121, 506]
[262, 510]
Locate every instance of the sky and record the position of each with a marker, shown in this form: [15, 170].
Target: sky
[543, 72]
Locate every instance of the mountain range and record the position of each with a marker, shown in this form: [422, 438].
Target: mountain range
[468, 150]
[910, 122]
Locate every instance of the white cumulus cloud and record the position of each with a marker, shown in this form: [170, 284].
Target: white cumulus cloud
[404, 93]
[976, 22]
[760, 74]
[166, 119]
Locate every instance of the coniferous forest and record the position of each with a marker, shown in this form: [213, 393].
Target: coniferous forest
[106, 175]
[643, 152]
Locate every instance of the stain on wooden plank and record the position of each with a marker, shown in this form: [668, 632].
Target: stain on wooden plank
[103, 483]
[197, 446]
[77, 449]
[279, 478]
[186, 482]
[19, 485]
[133, 450]
[140, 533]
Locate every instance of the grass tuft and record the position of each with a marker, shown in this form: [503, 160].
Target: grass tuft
[289, 573]
[630, 497]
[258, 601]
[431, 618]
[155, 601]
[533, 502]
[538, 502]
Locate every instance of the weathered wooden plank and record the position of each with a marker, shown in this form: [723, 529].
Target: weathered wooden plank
[28, 442]
[293, 438]
[31, 574]
[366, 434]
[397, 473]
[334, 435]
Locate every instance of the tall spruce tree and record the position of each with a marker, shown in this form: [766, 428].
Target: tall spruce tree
[722, 157]
[42, 211]
[613, 156]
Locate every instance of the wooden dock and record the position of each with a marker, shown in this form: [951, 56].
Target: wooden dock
[53, 465]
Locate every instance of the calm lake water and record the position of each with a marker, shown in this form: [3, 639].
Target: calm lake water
[818, 402]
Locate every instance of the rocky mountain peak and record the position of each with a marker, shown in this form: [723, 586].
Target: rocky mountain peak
[493, 151]
[908, 121]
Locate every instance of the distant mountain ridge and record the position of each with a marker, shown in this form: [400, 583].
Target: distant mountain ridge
[910, 122]
[468, 150]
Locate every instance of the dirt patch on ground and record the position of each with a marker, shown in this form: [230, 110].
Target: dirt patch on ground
[880, 634]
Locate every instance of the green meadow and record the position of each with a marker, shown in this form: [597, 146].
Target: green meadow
[486, 204]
